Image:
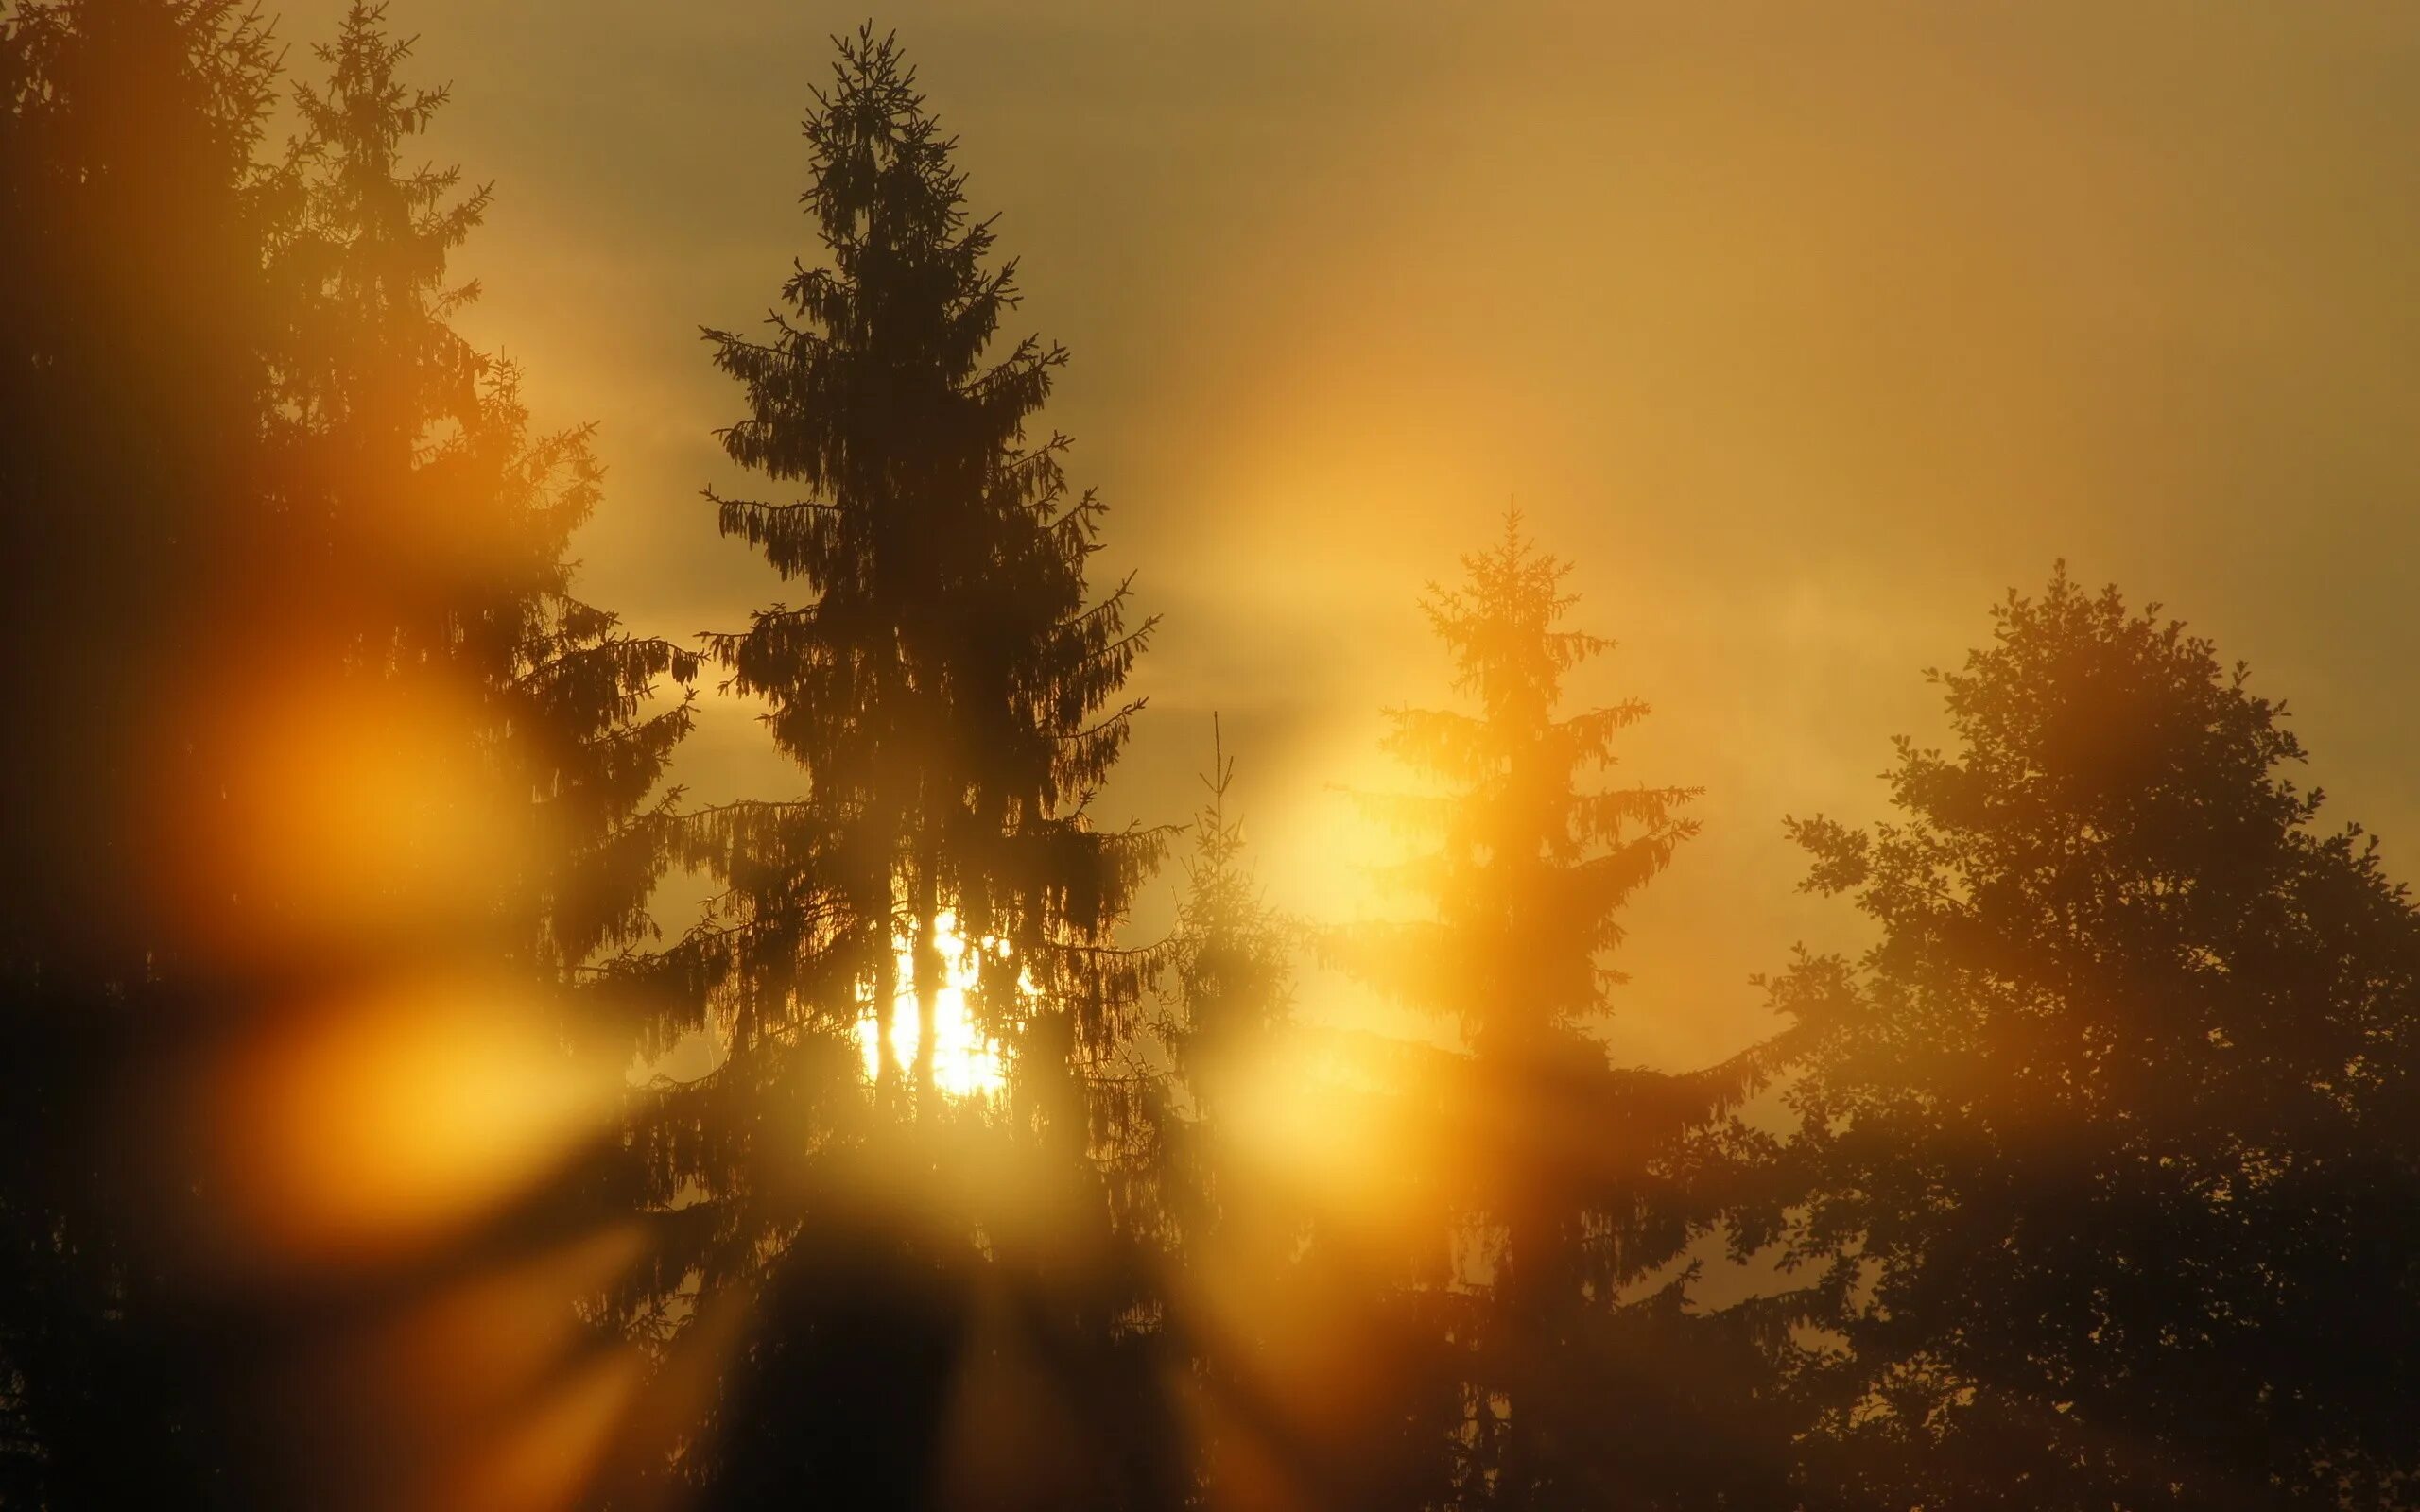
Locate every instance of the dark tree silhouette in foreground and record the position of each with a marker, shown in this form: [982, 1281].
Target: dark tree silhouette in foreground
[131, 390]
[260, 502]
[2113, 1128]
[953, 695]
[1585, 1379]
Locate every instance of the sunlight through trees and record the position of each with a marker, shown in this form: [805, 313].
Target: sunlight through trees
[416, 1098]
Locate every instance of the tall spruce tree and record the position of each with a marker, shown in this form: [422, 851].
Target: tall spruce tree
[950, 691]
[953, 695]
[2109, 1138]
[1574, 1184]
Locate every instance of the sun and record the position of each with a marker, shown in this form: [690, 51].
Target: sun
[966, 1061]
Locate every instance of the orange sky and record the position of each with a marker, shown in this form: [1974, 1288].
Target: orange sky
[1803, 330]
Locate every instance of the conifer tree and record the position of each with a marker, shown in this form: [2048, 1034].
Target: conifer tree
[1235, 1222]
[438, 557]
[1231, 973]
[435, 528]
[1575, 1185]
[2108, 1141]
[246, 456]
[949, 689]
[952, 695]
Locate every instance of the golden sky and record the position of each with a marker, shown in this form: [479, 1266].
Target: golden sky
[1803, 331]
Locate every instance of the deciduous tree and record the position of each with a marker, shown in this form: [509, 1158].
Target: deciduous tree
[2111, 1133]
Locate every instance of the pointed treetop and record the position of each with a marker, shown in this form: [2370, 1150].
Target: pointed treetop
[1499, 625]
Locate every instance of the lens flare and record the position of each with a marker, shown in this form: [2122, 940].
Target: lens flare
[348, 816]
[372, 1127]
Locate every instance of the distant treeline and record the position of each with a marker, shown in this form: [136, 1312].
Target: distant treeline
[364, 1139]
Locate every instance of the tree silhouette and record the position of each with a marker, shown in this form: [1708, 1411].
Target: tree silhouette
[1236, 1225]
[444, 552]
[1232, 971]
[130, 382]
[2111, 1132]
[250, 471]
[1585, 1379]
[949, 689]
[954, 699]
[422, 547]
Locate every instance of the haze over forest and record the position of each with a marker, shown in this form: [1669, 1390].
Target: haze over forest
[1804, 334]
[1071, 755]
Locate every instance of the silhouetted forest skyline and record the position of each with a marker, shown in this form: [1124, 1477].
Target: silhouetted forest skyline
[1995, 289]
[1496, 845]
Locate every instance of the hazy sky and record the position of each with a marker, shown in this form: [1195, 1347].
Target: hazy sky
[1803, 331]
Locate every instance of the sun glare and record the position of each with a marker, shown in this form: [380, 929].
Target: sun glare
[966, 1062]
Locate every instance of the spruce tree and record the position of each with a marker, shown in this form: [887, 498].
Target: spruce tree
[1231, 979]
[418, 553]
[1572, 1186]
[950, 690]
[952, 696]
[1235, 1220]
[248, 464]
[2108, 1140]
[426, 533]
